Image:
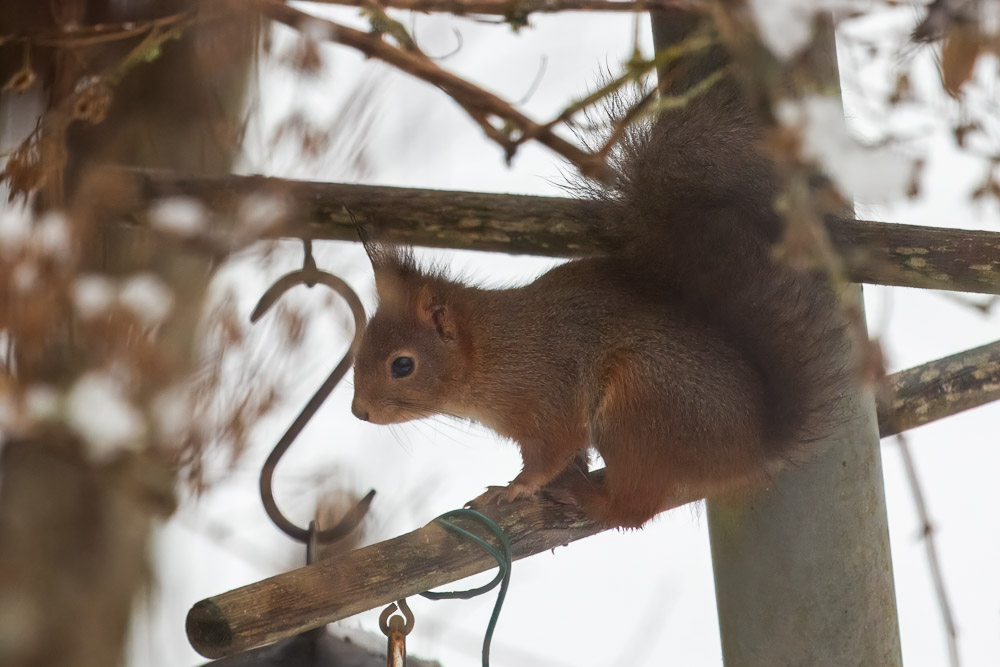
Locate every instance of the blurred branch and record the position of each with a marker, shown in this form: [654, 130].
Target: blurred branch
[342, 586]
[873, 252]
[519, 10]
[100, 33]
[497, 117]
[480, 104]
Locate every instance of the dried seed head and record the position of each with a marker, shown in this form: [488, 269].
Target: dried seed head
[92, 102]
[21, 81]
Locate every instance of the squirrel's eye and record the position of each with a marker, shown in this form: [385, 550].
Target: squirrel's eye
[402, 366]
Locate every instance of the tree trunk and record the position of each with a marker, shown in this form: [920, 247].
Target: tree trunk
[73, 531]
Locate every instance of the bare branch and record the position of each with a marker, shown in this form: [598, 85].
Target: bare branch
[478, 103]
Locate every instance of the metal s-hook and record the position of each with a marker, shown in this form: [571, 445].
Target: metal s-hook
[309, 275]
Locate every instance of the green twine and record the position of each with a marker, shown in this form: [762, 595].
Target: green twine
[502, 557]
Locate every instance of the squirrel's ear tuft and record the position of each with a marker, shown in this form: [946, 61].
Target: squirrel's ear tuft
[369, 244]
[385, 257]
[437, 313]
[394, 265]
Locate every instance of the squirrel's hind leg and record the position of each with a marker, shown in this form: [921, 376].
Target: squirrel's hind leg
[634, 486]
[610, 501]
[670, 430]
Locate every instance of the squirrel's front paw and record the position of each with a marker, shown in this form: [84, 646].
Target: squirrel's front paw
[517, 490]
[496, 495]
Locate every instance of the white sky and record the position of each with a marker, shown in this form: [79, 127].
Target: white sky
[641, 598]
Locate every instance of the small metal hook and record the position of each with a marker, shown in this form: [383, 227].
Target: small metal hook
[395, 629]
[402, 623]
[309, 275]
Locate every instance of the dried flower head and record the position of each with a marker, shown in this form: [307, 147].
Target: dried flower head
[93, 99]
[21, 80]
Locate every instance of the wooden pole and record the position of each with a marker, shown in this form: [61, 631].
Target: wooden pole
[873, 252]
[312, 596]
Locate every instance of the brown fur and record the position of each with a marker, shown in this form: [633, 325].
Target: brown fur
[688, 357]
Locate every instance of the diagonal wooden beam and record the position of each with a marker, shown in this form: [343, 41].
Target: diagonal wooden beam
[309, 597]
[312, 596]
[939, 389]
[873, 252]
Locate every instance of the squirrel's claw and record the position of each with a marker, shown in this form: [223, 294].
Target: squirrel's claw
[517, 490]
[492, 496]
[498, 495]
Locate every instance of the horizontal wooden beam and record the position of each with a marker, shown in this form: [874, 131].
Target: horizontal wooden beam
[309, 597]
[515, 10]
[873, 252]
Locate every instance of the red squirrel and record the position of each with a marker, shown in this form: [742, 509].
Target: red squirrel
[687, 355]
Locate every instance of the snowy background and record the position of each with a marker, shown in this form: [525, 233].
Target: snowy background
[639, 598]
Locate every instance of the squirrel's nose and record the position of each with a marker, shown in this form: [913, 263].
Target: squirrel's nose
[358, 411]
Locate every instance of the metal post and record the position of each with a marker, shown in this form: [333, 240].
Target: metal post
[803, 574]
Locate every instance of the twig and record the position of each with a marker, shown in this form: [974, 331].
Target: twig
[984, 306]
[635, 70]
[928, 535]
[658, 104]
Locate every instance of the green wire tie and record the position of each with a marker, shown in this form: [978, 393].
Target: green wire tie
[503, 559]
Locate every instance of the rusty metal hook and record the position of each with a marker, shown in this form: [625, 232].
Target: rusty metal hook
[402, 623]
[309, 275]
[395, 629]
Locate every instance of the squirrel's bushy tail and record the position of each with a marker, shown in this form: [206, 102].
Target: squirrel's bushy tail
[694, 210]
